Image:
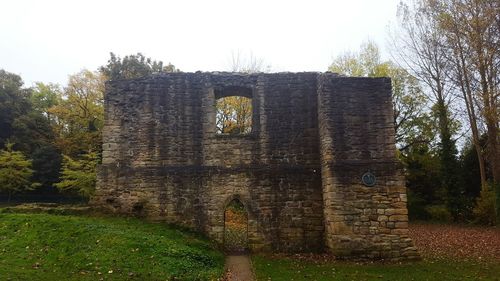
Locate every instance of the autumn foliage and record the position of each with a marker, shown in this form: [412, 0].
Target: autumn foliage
[235, 228]
[439, 241]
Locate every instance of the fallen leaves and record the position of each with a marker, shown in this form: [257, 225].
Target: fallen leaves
[235, 230]
[456, 241]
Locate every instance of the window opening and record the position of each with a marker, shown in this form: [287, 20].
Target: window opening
[234, 115]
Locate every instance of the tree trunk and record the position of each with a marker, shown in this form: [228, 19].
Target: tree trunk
[493, 150]
[475, 133]
[465, 85]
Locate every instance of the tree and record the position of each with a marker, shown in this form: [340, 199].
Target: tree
[44, 97]
[79, 175]
[133, 66]
[79, 114]
[234, 115]
[15, 171]
[14, 102]
[26, 121]
[46, 164]
[420, 46]
[423, 180]
[247, 64]
[472, 32]
[31, 131]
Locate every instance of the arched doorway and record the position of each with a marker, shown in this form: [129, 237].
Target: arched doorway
[235, 227]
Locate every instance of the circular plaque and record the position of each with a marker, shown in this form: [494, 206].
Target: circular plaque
[368, 179]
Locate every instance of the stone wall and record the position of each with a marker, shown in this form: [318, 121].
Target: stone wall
[356, 137]
[299, 180]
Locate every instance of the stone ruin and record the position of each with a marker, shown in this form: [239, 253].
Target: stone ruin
[317, 172]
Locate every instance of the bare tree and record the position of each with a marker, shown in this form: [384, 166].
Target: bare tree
[420, 45]
[247, 64]
[472, 35]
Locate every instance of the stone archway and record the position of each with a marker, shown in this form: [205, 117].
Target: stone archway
[235, 227]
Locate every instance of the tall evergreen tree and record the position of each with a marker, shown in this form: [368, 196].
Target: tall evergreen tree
[14, 103]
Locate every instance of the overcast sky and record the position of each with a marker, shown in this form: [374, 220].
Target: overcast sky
[48, 40]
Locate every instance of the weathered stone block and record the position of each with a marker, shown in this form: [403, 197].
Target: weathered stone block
[383, 218]
[390, 212]
[397, 218]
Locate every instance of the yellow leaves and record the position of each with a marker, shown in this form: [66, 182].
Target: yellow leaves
[15, 171]
[363, 63]
[79, 174]
[234, 115]
[79, 115]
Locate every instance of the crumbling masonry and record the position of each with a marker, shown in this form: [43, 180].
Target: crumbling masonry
[318, 172]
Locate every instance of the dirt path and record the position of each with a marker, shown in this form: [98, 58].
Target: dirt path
[239, 268]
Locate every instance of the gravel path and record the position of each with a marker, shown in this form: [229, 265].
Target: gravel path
[239, 268]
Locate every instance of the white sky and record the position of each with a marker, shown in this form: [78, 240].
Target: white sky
[48, 40]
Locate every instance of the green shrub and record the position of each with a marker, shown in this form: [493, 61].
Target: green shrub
[438, 213]
[484, 212]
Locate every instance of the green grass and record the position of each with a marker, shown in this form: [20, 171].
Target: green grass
[54, 247]
[269, 268]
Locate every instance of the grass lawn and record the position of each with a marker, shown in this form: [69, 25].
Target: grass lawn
[55, 247]
[449, 252]
[269, 268]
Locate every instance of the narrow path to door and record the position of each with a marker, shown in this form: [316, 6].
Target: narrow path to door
[239, 268]
[235, 228]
